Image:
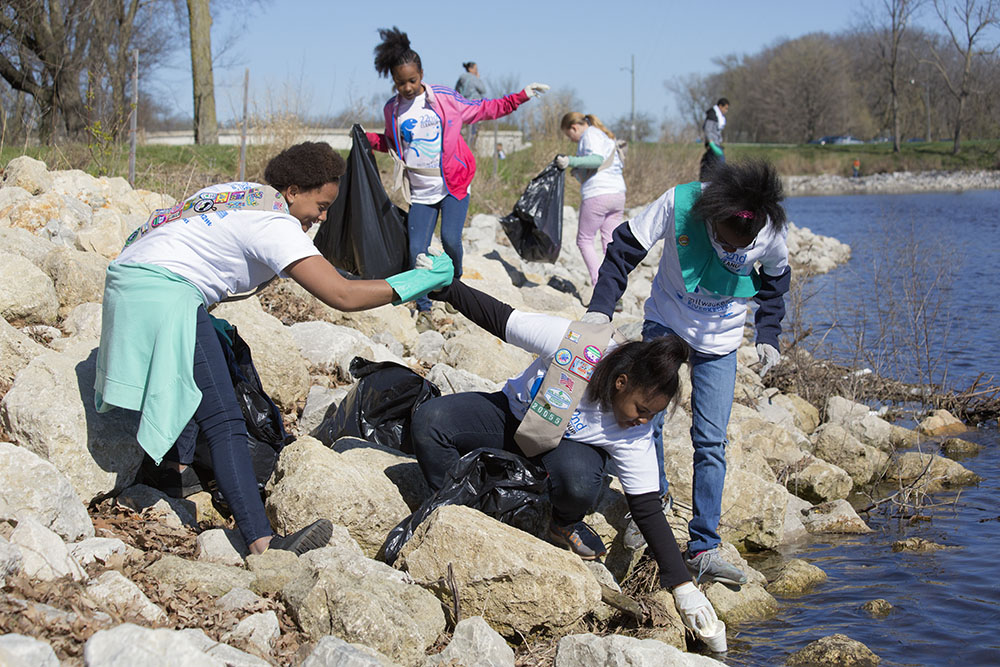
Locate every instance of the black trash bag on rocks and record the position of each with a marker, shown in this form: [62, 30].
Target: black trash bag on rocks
[364, 233]
[379, 407]
[534, 227]
[500, 484]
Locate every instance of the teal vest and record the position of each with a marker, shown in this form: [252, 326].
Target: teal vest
[700, 265]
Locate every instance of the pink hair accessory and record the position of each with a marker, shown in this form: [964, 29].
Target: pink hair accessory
[748, 215]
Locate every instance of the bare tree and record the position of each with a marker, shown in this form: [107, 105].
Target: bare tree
[206, 129]
[969, 23]
[889, 21]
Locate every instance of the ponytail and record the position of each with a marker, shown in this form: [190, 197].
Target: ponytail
[577, 118]
[596, 122]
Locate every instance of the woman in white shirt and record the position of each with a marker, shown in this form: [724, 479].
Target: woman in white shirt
[598, 166]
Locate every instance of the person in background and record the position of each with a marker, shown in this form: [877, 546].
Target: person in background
[471, 87]
[856, 168]
[159, 352]
[500, 152]
[423, 133]
[715, 122]
[598, 166]
[714, 234]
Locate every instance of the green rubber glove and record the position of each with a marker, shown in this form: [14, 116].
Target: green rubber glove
[417, 282]
[715, 148]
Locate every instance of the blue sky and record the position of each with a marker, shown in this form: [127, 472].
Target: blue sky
[314, 56]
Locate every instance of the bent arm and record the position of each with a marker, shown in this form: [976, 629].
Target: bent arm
[648, 516]
[324, 282]
[378, 141]
[591, 161]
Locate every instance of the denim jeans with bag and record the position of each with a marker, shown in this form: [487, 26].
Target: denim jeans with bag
[713, 380]
[421, 221]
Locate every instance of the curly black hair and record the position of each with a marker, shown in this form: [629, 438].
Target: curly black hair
[650, 366]
[394, 50]
[737, 187]
[308, 165]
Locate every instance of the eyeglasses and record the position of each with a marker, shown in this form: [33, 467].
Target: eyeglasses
[726, 245]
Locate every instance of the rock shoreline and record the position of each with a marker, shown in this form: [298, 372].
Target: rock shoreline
[95, 566]
[892, 183]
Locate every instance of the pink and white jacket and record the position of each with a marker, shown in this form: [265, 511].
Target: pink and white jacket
[458, 166]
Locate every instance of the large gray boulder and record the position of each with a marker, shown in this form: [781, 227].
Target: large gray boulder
[331, 651]
[198, 576]
[750, 603]
[45, 555]
[118, 594]
[929, 472]
[50, 411]
[28, 482]
[838, 649]
[283, 371]
[329, 348]
[485, 355]
[78, 277]
[28, 173]
[23, 651]
[524, 585]
[476, 644]
[16, 351]
[591, 650]
[836, 516]
[26, 293]
[21, 242]
[311, 482]
[398, 619]
[129, 644]
[835, 444]
[818, 481]
[401, 469]
[456, 380]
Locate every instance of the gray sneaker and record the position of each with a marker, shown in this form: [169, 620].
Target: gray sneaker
[710, 566]
[632, 538]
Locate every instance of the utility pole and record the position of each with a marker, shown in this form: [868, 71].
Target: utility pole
[133, 121]
[631, 70]
[243, 125]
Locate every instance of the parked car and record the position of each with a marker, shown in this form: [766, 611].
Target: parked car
[846, 139]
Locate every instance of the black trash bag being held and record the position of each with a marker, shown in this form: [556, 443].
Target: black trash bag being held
[535, 225]
[379, 407]
[364, 233]
[500, 484]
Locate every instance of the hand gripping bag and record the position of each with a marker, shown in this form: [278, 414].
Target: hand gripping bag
[364, 233]
[534, 227]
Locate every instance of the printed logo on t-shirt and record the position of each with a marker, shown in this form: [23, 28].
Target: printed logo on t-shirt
[422, 136]
[576, 424]
[709, 305]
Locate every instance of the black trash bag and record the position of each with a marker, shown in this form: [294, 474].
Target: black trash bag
[500, 484]
[364, 233]
[535, 225]
[379, 407]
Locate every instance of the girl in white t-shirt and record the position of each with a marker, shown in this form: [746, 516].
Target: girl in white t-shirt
[160, 354]
[598, 166]
[629, 384]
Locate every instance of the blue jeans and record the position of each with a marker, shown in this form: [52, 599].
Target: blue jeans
[713, 379]
[421, 222]
[448, 427]
[219, 420]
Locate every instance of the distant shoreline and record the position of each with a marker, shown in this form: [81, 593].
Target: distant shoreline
[894, 183]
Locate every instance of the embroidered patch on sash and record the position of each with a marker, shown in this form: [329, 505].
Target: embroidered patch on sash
[204, 205]
[683, 240]
[592, 354]
[557, 398]
[572, 336]
[546, 414]
[563, 356]
[222, 197]
[582, 368]
[566, 381]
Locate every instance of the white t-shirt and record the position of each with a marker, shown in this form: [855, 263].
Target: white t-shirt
[609, 181]
[224, 252]
[630, 449]
[421, 142]
[709, 322]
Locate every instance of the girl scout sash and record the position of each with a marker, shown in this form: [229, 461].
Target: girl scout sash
[563, 386]
[700, 265]
[262, 198]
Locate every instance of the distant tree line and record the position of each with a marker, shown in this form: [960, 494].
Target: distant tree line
[887, 79]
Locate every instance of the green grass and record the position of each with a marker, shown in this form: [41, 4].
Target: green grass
[651, 168]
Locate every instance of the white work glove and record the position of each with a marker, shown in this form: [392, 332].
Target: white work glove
[535, 89]
[595, 318]
[768, 356]
[562, 161]
[696, 611]
[425, 260]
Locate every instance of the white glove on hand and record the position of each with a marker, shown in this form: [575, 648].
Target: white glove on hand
[769, 357]
[425, 260]
[562, 161]
[535, 89]
[595, 318]
[695, 609]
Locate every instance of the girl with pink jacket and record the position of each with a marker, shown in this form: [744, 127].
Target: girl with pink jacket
[434, 165]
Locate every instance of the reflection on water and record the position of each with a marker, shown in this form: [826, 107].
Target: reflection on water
[946, 604]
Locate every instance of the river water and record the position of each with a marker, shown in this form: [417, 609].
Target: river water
[946, 604]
